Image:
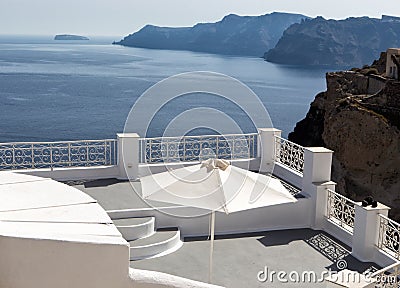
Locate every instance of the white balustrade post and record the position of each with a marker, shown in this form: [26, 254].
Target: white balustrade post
[266, 148]
[319, 198]
[128, 156]
[366, 231]
[316, 181]
[317, 167]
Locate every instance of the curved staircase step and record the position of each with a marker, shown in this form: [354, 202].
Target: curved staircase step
[158, 244]
[135, 228]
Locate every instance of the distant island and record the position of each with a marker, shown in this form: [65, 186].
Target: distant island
[233, 35]
[70, 37]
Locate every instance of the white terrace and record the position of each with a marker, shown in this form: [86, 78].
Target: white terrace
[54, 235]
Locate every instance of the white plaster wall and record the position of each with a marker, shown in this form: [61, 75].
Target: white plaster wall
[80, 213]
[40, 194]
[338, 232]
[38, 263]
[53, 235]
[75, 173]
[146, 169]
[150, 279]
[279, 217]
[105, 172]
[383, 259]
[290, 176]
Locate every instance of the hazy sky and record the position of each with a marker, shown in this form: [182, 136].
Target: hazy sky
[121, 17]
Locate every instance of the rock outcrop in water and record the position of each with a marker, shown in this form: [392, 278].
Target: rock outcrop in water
[70, 37]
[359, 118]
[233, 35]
[345, 43]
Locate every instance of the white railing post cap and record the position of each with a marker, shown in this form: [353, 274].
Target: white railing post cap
[379, 207]
[269, 130]
[127, 135]
[318, 149]
[325, 183]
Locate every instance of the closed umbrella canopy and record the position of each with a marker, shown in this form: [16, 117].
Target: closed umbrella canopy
[217, 186]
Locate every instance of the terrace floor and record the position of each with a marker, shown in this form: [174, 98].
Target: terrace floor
[113, 194]
[237, 258]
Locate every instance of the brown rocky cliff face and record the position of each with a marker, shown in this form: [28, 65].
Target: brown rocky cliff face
[362, 128]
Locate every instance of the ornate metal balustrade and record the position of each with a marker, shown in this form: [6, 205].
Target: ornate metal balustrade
[198, 148]
[387, 277]
[289, 154]
[341, 210]
[57, 154]
[389, 236]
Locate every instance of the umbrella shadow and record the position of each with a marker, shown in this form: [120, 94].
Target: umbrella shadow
[102, 183]
[224, 237]
[94, 183]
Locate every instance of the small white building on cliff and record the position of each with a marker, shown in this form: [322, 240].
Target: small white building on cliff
[391, 67]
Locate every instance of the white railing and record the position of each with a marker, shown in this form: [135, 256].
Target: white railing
[387, 277]
[197, 148]
[289, 154]
[389, 236]
[34, 155]
[341, 210]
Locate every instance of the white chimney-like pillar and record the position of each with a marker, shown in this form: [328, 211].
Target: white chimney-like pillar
[128, 156]
[316, 181]
[317, 167]
[366, 231]
[266, 148]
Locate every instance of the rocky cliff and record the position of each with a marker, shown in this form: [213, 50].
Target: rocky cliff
[345, 43]
[358, 117]
[233, 35]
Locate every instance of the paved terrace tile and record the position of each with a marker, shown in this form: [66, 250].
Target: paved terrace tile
[239, 258]
[113, 194]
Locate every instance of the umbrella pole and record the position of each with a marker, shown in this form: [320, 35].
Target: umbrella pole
[211, 246]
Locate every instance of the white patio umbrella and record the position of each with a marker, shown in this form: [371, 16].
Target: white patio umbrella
[217, 186]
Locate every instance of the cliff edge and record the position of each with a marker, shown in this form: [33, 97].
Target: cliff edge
[233, 35]
[340, 43]
[358, 117]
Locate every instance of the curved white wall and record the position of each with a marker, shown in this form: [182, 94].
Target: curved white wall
[284, 216]
[42, 263]
[53, 235]
[150, 279]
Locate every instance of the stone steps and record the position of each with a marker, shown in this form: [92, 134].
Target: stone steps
[135, 228]
[145, 242]
[159, 244]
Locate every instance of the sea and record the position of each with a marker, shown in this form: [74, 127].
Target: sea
[79, 90]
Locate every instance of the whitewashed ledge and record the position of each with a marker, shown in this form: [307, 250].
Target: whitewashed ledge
[53, 235]
[150, 279]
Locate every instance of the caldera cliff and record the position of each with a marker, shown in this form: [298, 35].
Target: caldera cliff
[233, 35]
[358, 117]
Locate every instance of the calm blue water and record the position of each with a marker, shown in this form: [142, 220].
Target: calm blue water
[51, 90]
